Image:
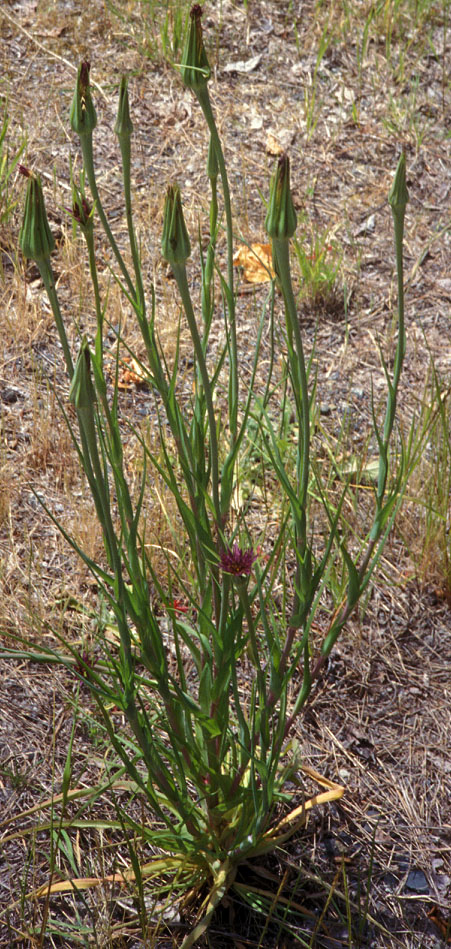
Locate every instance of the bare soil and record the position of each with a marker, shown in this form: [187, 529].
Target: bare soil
[379, 719]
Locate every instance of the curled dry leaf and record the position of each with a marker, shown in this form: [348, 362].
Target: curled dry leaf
[244, 66]
[256, 262]
[279, 140]
[444, 925]
[130, 373]
[273, 147]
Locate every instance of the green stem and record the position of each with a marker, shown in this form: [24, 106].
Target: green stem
[347, 609]
[93, 467]
[207, 274]
[307, 680]
[398, 220]
[241, 587]
[89, 237]
[204, 102]
[299, 379]
[46, 272]
[182, 283]
[213, 207]
[124, 142]
[86, 146]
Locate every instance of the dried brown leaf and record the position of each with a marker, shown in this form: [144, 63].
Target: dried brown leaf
[256, 262]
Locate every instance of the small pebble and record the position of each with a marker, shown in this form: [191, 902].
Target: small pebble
[417, 883]
[9, 395]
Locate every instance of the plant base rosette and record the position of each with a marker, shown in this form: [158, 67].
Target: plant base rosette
[183, 877]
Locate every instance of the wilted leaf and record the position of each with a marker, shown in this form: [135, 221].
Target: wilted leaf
[130, 373]
[444, 925]
[256, 262]
[279, 140]
[245, 66]
[352, 468]
[273, 147]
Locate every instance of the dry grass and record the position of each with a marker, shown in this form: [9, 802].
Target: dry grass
[379, 719]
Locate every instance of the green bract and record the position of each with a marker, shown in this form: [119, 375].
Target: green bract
[281, 220]
[35, 238]
[212, 161]
[175, 242]
[82, 393]
[83, 117]
[195, 68]
[124, 125]
[398, 195]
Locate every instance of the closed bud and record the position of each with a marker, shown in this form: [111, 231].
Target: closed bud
[82, 393]
[175, 243]
[195, 68]
[35, 238]
[281, 219]
[398, 195]
[83, 117]
[124, 125]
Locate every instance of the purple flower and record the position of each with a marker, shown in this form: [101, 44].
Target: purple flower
[237, 562]
[81, 210]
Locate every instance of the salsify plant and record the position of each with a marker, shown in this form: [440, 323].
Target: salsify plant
[208, 749]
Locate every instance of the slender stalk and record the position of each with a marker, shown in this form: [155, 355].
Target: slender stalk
[182, 283]
[124, 142]
[398, 209]
[299, 378]
[46, 272]
[241, 586]
[89, 237]
[86, 147]
[281, 251]
[205, 104]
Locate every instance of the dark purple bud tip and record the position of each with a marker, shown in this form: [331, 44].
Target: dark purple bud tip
[82, 112]
[195, 70]
[84, 72]
[284, 163]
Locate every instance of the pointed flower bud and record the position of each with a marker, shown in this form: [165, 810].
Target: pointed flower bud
[83, 117]
[124, 125]
[175, 243]
[35, 238]
[82, 393]
[195, 68]
[281, 219]
[398, 195]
